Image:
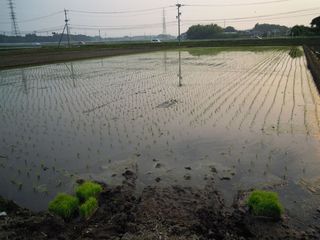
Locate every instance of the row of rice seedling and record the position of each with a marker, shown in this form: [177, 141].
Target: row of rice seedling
[64, 120]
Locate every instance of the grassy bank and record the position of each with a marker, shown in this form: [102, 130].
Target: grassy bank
[10, 58]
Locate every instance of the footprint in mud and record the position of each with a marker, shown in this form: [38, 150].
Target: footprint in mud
[187, 177]
[168, 103]
[159, 165]
[227, 174]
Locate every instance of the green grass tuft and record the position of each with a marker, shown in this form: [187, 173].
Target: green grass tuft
[87, 190]
[264, 203]
[64, 205]
[88, 208]
[296, 52]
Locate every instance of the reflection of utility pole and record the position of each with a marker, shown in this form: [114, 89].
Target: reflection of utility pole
[180, 75]
[165, 60]
[72, 75]
[178, 17]
[24, 81]
[66, 27]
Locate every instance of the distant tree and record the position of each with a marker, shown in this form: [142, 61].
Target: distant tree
[270, 29]
[300, 30]
[316, 22]
[230, 29]
[204, 31]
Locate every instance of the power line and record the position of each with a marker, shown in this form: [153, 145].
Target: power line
[236, 4]
[36, 18]
[185, 23]
[42, 17]
[120, 12]
[42, 30]
[121, 27]
[256, 17]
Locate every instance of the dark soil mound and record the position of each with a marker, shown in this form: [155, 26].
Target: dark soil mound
[157, 213]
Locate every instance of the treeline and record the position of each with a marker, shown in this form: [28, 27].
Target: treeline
[314, 30]
[213, 31]
[28, 38]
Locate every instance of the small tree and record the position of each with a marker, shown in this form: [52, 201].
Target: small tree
[315, 23]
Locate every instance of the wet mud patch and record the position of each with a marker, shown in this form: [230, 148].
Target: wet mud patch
[172, 212]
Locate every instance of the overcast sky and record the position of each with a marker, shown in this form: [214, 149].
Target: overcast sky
[28, 9]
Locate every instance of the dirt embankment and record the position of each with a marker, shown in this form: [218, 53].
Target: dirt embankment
[46, 55]
[173, 213]
[313, 61]
[29, 57]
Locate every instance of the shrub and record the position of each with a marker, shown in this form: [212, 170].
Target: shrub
[87, 208]
[264, 203]
[87, 190]
[64, 205]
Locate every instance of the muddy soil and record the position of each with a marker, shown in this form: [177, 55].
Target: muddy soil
[22, 59]
[173, 212]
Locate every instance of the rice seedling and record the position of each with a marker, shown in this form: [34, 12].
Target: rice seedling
[64, 205]
[266, 204]
[88, 207]
[88, 189]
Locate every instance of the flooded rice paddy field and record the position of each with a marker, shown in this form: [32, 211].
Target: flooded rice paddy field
[172, 117]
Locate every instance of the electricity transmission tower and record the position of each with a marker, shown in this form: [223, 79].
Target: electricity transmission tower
[66, 27]
[164, 26]
[14, 24]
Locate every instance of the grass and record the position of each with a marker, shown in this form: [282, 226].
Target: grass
[87, 190]
[88, 208]
[64, 205]
[266, 204]
[296, 52]
[198, 51]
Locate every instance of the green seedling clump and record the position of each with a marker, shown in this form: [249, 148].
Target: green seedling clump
[88, 208]
[87, 190]
[266, 204]
[64, 205]
[295, 52]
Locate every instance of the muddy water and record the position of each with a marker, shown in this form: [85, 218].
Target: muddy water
[252, 117]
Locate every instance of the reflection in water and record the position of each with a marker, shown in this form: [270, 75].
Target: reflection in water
[24, 81]
[71, 70]
[180, 74]
[165, 60]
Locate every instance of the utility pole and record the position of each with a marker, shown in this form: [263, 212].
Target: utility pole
[178, 17]
[99, 35]
[66, 27]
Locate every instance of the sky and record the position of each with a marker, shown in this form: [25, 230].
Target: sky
[224, 13]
